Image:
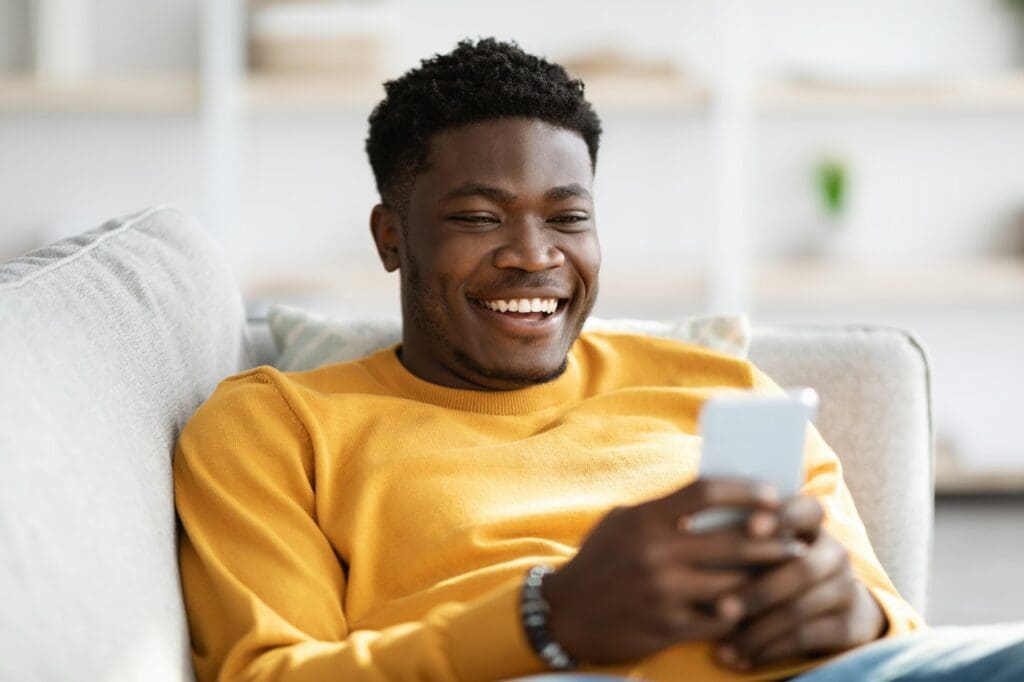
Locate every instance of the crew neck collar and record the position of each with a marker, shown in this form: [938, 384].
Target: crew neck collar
[390, 370]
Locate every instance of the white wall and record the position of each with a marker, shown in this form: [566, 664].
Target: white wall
[925, 186]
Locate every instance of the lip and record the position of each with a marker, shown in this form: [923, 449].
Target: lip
[509, 294]
[518, 326]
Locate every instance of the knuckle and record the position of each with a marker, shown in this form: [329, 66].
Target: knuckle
[815, 509]
[805, 568]
[661, 587]
[793, 610]
[701, 490]
[837, 555]
[650, 558]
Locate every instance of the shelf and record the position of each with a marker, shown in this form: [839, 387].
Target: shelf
[886, 285]
[290, 94]
[644, 291]
[136, 94]
[971, 483]
[983, 93]
[179, 93]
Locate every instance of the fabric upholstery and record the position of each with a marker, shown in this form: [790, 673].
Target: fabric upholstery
[306, 340]
[108, 342]
[875, 412]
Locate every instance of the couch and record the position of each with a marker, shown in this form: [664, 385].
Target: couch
[110, 340]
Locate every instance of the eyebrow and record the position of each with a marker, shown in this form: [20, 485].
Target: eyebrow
[471, 189]
[498, 195]
[567, 192]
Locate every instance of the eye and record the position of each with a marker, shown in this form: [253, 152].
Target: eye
[475, 219]
[570, 221]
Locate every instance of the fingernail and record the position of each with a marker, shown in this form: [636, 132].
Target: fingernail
[730, 607]
[762, 524]
[727, 655]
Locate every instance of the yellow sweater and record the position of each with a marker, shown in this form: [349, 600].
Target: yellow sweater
[357, 523]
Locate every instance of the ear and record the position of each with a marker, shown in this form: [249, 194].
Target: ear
[387, 233]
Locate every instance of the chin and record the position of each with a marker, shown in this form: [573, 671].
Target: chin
[515, 375]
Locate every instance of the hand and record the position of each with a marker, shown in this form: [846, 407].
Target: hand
[639, 583]
[810, 605]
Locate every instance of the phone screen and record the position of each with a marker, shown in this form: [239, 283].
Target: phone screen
[757, 438]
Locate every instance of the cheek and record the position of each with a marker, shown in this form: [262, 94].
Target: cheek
[586, 254]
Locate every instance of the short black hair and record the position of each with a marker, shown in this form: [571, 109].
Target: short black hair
[477, 81]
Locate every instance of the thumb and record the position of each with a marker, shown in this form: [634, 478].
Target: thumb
[708, 493]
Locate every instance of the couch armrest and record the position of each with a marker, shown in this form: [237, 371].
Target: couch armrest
[875, 412]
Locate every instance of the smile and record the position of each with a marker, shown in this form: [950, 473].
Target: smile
[521, 305]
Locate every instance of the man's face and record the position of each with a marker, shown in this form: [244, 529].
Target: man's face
[502, 218]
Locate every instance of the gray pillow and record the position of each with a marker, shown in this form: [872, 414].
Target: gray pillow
[306, 340]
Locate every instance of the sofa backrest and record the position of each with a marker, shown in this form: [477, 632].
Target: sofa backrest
[875, 413]
[108, 343]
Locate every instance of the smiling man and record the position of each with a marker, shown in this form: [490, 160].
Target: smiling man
[500, 494]
[497, 244]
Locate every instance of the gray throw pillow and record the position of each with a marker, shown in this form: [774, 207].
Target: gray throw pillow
[306, 340]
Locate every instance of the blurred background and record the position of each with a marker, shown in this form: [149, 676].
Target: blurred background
[802, 161]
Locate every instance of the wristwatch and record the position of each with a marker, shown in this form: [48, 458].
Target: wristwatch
[535, 613]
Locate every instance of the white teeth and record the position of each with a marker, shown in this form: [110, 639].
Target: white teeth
[523, 305]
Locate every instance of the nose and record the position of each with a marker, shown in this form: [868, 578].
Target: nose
[529, 247]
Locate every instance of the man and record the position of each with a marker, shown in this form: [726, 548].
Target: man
[392, 518]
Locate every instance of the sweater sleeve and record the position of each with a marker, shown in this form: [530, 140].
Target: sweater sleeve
[263, 586]
[824, 480]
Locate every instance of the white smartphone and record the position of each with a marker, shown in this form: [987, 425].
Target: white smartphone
[752, 437]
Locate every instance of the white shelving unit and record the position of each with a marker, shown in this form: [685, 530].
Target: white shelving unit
[223, 95]
[179, 93]
[732, 103]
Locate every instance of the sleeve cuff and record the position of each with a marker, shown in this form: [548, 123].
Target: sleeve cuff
[487, 639]
[899, 616]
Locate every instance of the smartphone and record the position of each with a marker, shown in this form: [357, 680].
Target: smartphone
[753, 437]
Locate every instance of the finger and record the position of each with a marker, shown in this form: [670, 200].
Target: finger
[831, 595]
[762, 524]
[801, 516]
[822, 559]
[706, 493]
[706, 586]
[736, 548]
[678, 584]
[824, 634]
[690, 624]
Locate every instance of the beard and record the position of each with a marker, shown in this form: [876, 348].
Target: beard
[428, 310]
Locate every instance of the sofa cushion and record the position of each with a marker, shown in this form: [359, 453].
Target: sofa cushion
[108, 343]
[306, 340]
[875, 412]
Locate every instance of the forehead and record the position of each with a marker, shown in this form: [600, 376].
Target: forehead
[521, 155]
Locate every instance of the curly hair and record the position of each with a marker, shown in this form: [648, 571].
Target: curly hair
[479, 81]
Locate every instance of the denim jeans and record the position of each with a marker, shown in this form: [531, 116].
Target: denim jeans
[989, 653]
[985, 653]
